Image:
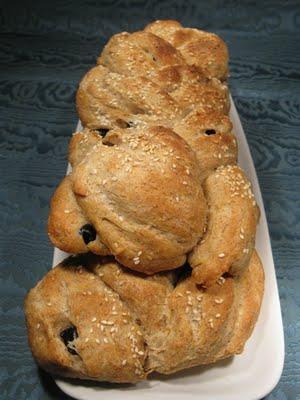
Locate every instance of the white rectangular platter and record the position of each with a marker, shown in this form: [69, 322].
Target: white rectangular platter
[249, 376]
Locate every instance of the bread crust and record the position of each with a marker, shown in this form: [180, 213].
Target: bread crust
[159, 82]
[203, 49]
[229, 239]
[154, 187]
[126, 185]
[129, 325]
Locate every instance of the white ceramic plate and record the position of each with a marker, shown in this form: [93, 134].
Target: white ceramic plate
[251, 375]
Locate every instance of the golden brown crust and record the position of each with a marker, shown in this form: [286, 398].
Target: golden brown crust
[81, 144]
[139, 54]
[154, 180]
[203, 49]
[142, 74]
[106, 99]
[129, 325]
[66, 220]
[210, 136]
[127, 187]
[130, 192]
[230, 237]
[250, 291]
[71, 297]
[144, 54]
[143, 80]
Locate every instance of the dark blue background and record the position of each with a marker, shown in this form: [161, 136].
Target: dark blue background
[45, 48]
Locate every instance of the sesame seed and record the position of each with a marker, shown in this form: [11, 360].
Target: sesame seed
[91, 330]
[94, 319]
[184, 182]
[218, 315]
[104, 322]
[97, 341]
[221, 255]
[86, 340]
[124, 362]
[67, 211]
[38, 326]
[121, 218]
[221, 280]
[105, 340]
[49, 304]
[219, 301]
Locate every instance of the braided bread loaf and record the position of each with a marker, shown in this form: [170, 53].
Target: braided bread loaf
[91, 318]
[137, 190]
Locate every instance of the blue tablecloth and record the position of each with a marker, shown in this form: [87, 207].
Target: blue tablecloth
[45, 48]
